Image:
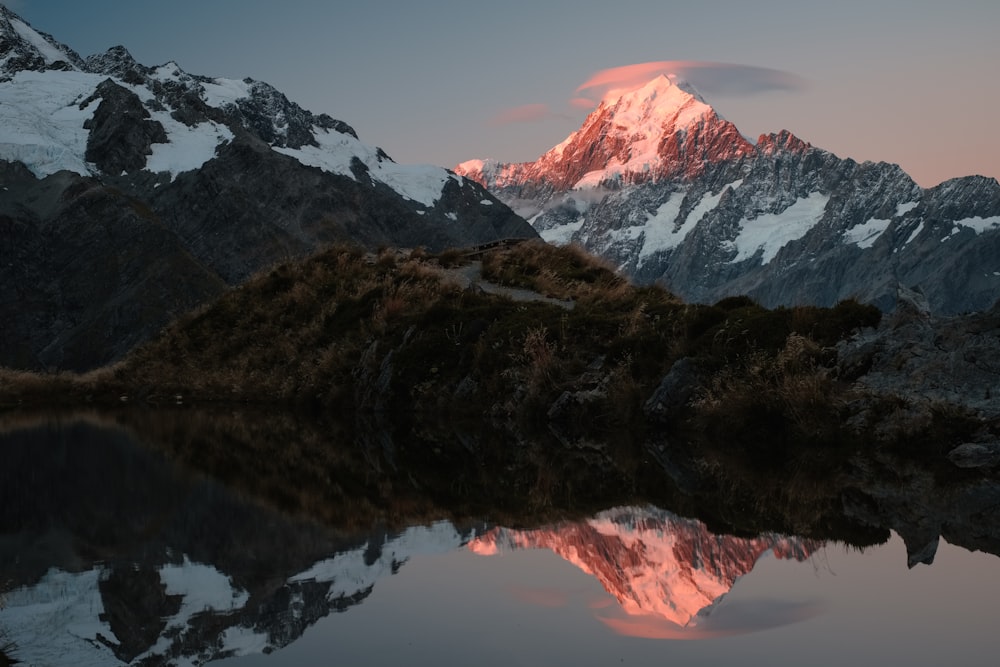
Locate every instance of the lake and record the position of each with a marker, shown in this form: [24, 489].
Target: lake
[116, 549]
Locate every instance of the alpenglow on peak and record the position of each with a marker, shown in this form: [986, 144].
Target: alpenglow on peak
[657, 131]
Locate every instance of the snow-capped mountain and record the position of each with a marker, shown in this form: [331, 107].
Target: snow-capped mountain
[652, 561]
[204, 180]
[667, 190]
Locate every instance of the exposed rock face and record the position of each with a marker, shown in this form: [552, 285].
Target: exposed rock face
[656, 182]
[931, 358]
[121, 131]
[129, 194]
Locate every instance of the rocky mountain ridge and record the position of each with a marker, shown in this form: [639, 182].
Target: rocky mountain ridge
[104, 160]
[659, 184]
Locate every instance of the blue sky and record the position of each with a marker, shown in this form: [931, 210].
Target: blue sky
[441, 81]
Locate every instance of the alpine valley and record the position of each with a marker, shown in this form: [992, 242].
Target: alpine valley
[659, 184]
[131, 194]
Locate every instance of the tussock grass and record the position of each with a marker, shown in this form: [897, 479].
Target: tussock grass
[346, 329]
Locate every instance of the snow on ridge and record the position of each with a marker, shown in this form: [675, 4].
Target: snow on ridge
[770, 232]
[348, 572]
[222, 92]
[45, 48]
[170, 71]
[336, 151]
[41, 125]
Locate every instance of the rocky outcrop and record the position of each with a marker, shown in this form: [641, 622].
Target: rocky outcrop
[121, 131]
[922, 505]
[930, 359]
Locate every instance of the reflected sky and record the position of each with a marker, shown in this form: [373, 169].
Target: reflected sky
[165, 563]
[533, 608]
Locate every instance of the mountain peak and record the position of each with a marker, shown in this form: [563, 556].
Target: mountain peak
[659, 130]
[24, 48]
[658, 107]
[657, 87]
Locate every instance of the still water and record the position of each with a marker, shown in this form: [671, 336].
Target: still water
[112, 553]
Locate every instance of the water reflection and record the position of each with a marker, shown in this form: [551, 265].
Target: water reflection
[666, 572]
[113, 550]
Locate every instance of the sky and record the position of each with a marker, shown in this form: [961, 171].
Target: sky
[440, 81]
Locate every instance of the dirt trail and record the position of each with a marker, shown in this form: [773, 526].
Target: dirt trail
[470, 276]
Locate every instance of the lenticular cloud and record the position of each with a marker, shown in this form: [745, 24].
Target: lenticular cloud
[710, 77]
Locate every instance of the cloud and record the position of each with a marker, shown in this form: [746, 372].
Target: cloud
[525, 113]
[711, 78]
[708, 77]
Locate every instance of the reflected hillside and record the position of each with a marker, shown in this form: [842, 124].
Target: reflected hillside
[653, 562]
[176, 537]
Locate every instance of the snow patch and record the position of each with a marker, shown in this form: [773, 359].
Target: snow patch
[239, 641]
[980, 225]
[914, 233]
[486, 202]
[902, 209]
[560, 234]
[189, 147]
[660, 237]
[203, 589]
[865, 234]
[770, 232]
[659, 227]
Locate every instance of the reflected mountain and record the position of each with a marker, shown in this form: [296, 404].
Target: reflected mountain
[653, 562]
[149, 538]
[110, 554]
